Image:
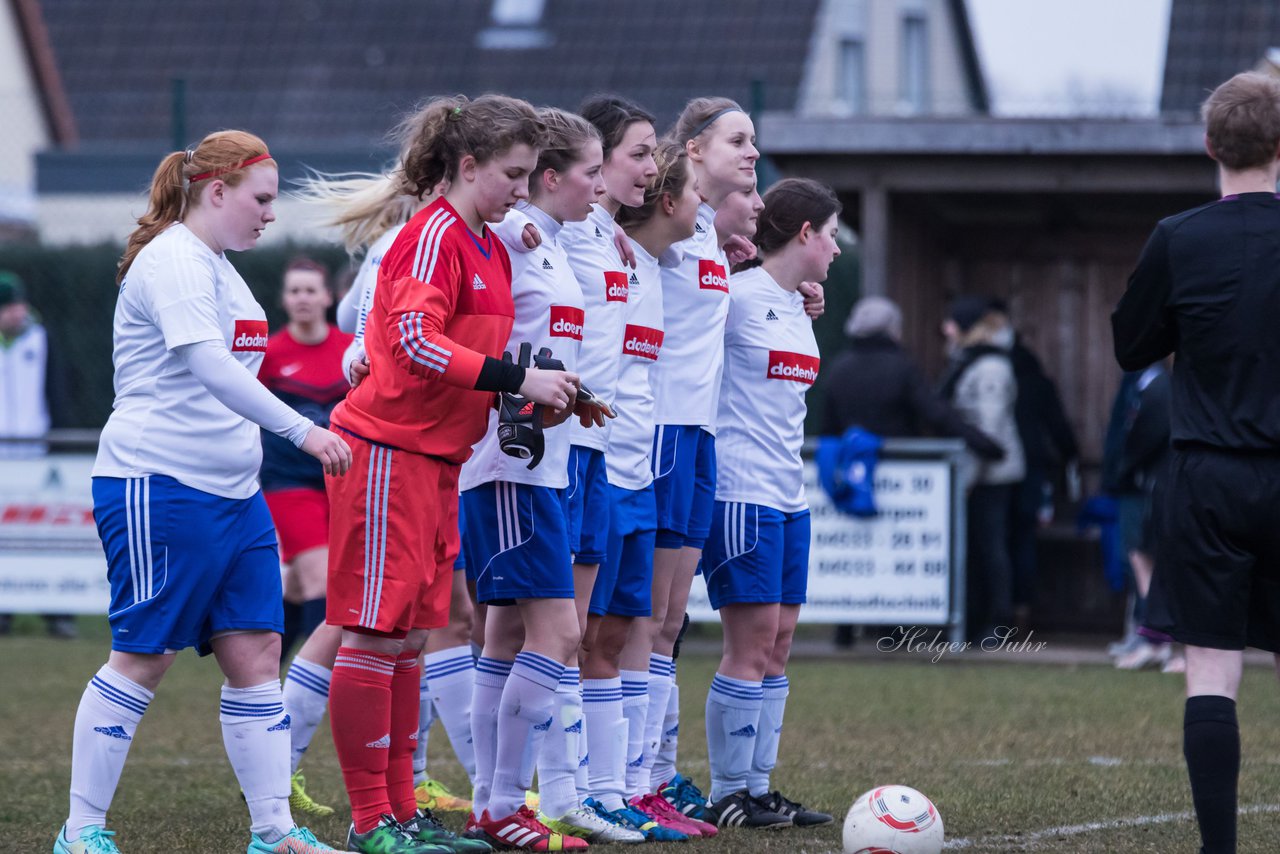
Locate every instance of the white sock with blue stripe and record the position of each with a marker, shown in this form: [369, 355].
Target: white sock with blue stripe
[426, 717]
[635, 708]
[772, 709]
[606, 740]
[664, 768]
[255, 732]
[306, 696]
[110, 710]
[524, 718]
[558, 759]
[660, 668]
[490, 681]
[733, 716]
[451, 674]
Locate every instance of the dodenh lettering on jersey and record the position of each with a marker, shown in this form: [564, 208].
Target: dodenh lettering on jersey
[566, 322]
[615, 286]
[641, 341]
[250, 335]
[712, 276]
[793, 366]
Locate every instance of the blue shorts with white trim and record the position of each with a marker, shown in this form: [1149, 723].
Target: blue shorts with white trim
[756, 554]
[185, 565]
[517, 542]
[587, 505]
[624, 584]
[684, 483]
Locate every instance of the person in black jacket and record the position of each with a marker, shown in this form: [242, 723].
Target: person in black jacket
[1207, 287]
[876, 385]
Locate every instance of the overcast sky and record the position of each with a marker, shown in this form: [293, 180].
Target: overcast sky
[1072, 56]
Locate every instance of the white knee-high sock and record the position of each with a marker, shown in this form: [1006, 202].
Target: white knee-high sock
[452, 676]
[772, 709]
[426, 717]
[664, 767]
[606, 740]
[524, 718]
[635, 706]
[306, 696]
[255, 733]
[491, 679]
[733, 716]
[110, 710]
[659, 694]
[558, 759]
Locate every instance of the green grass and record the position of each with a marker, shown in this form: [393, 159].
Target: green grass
[1006, 751]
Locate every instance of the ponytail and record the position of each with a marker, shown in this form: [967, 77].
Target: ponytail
[363, 206]
[182, 176]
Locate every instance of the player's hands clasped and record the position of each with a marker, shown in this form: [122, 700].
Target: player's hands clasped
[330, 449]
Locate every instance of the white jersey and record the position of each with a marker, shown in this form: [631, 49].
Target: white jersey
[24, 411]
[548, 313]
[604, 281]
[164, 421]
[770, 361]
[695, 298]
[353, 311]
[631, 433]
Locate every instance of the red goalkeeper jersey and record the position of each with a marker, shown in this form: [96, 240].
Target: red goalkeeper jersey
[443, 303]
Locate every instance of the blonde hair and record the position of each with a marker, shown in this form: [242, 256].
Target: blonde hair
[362, 205]
[221, 155]
[1242, 121]
[699, 115]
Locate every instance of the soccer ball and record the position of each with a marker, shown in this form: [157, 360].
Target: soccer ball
[893, 820]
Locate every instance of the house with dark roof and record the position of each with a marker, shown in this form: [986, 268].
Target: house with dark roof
[323, 80]
[1211, 40]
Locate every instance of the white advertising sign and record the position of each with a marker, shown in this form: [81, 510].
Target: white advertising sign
[51, 560]
[894, 569]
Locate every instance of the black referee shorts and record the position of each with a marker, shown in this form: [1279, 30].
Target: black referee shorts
[1217, 576]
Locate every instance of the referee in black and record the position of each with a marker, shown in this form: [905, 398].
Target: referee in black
[1207, 289]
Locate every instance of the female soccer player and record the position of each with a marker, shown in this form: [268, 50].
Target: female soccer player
[756, 559]
[440, 317]
[191, 552]
[517, 536]
[302, 367]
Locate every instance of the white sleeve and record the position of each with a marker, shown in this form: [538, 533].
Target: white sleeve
[349, 306]
[511, 231]
[186, 304]
[234, 387]
[354, 353]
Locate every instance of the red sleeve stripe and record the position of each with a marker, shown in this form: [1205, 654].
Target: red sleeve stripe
[417, 347]
[424, 262]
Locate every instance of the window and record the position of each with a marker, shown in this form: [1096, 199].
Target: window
[914, 68]
[517, 13]
[516, 26]
[851, 84]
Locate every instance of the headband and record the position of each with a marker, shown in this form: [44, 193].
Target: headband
[216, 173]
[709, 122]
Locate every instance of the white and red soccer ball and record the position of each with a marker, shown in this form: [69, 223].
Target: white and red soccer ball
[893, 820]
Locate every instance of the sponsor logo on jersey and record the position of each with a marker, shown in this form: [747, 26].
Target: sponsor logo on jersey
[793, 366]
[566, 322]
[641, 341]
[250, 335]
[477, 284]
[712, 276]
[770, 315]
[615, 286]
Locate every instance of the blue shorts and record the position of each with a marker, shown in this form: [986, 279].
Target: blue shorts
[756, 554]
[684, 481]
[185, 565]
[587, 505]
[624, 584]
[460, 562]
[517, 542]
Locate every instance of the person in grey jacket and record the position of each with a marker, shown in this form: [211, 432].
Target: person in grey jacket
[980, 384]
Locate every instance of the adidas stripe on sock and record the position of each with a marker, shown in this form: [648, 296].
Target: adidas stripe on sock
[733, 714]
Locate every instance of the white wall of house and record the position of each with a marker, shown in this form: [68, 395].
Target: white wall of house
[24, 129]
[885, 58]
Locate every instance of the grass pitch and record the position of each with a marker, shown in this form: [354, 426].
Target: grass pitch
[1021, 756]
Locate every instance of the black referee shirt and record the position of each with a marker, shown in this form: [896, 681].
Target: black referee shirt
[1207, 287]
